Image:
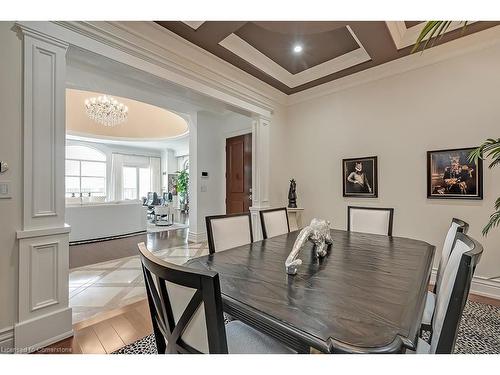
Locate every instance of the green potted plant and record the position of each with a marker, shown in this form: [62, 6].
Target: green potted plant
[491, 147]
[182, 188]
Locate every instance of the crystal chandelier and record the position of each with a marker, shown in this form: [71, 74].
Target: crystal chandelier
[106, 110]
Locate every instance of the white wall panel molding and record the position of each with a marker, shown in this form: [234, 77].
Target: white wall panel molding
[44, 124]
[6, 340]
[43, 284]
[260, 162]
[43, 280]
[43, 232]
[43, 313]
[480, 285]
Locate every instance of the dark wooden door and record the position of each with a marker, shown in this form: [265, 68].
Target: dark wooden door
[238, 174]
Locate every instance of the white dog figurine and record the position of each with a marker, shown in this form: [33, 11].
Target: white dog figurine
[318, 232]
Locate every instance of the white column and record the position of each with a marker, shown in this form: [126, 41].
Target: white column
[43, 313]
[196, 228]
[260, 172]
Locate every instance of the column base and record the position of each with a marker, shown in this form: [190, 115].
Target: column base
[256, 225]
[197, 237]
[32, 335]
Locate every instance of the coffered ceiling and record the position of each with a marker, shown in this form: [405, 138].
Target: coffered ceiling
[295, 56]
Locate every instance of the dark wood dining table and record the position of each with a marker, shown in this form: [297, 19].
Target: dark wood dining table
[367, 295]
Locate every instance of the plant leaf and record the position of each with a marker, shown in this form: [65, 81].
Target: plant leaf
[433, 29]
[494, 221]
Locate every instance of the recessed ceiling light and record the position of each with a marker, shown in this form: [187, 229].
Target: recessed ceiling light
[297, 48]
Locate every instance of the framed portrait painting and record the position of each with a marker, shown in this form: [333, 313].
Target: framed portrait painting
[450, 175]
[360, 177]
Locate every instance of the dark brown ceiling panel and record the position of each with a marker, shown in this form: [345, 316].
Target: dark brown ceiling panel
[321, 41]
[277, 42]
[412, 23]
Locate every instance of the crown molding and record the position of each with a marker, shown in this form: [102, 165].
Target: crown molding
[149, 47]
[175, 59]
[462, 46]
[153, 42]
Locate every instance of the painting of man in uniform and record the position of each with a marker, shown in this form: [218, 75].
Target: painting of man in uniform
[452, 175]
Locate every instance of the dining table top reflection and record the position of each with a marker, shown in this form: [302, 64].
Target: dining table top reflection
[367, 295]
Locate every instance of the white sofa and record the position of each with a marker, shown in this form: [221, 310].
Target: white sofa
[99, 220]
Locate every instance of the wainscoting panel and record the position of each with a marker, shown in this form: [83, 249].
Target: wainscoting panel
[43, 274]
[43, 313]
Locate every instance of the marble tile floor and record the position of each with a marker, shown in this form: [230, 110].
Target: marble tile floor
[105, 286]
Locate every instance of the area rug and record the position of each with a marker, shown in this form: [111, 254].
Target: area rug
[479, 333]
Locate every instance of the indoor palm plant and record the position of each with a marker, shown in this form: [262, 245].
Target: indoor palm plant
[489, 149]
[432, 31]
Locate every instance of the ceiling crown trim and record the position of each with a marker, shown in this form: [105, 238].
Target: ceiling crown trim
[244, 50]
[194, 24]
[406, 36]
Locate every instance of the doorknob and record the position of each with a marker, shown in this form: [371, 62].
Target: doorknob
[250, 197]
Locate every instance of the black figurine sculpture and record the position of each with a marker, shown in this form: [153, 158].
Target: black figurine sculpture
[292, 195]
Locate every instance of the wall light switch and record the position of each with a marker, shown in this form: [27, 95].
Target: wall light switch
[5, 190]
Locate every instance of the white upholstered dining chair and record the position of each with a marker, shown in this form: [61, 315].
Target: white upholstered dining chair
[457, 226]
[452, 296]
[370, 220]
[274, 222]
[228, 231]
[186, 312]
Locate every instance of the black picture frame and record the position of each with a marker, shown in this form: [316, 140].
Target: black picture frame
[437, 188]
[369, 164]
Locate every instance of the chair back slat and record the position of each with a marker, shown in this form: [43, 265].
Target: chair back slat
[457, 226]
[373, 220]
[228, 231]
[274, 222]
[453, 292]
[185, 306]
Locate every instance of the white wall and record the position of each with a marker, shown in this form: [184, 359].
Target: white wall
[10, 152]
[213, 129]
[450, 104]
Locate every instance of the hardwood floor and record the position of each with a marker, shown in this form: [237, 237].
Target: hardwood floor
[112, 330]
[107, 332]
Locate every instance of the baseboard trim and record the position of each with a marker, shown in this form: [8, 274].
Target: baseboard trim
[481, 286]
[108, 238]
[7, 340]
[197, 237]
[34, 334]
